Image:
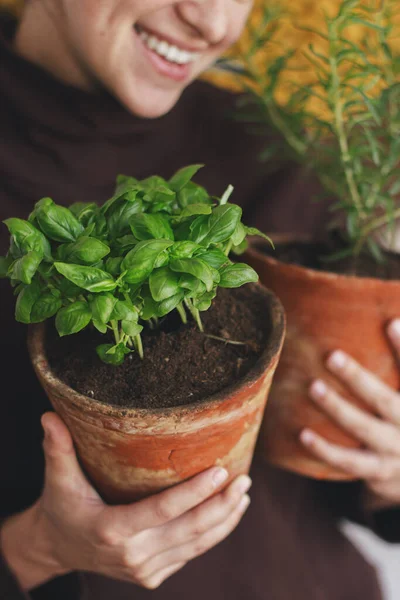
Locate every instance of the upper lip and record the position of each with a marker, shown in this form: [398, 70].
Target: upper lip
[173, 42]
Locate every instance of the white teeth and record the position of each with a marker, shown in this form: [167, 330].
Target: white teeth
[169, 52]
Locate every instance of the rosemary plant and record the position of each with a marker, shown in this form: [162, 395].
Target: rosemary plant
[345, 124]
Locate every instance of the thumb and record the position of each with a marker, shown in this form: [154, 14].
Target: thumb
[62, 466]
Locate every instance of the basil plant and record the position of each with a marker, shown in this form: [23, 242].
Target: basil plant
[154, 247]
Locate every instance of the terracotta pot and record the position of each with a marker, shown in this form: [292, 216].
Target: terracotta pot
[325, 312]
[132, 453]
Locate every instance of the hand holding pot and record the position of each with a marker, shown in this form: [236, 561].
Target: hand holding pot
[379, 462]
[70, 528]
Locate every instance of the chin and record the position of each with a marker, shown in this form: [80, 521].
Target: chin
[151, 104]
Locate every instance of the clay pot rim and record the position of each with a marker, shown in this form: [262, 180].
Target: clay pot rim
[85, 403]
[256, 246]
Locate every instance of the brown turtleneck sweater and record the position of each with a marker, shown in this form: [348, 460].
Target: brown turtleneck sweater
[61, 142]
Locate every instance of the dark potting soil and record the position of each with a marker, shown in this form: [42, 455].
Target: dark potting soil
[181, 365]
[313, 256]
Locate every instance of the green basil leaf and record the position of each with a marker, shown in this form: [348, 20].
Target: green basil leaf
[125, 243]
[147, 227]
[45, 307]
[196, 267]
[113, 266]
[124, 311]
[213, 257]
[236, 275]
[116, 357]
[221, 224]
[57, 222]
[183, 176]
[163, 283]
[149, 308]
[183, 249]
[28, 238]
[191, 283]
[194, 210]
[102, 307]
[204, 302]
[255, 231]
[73, 318]
[88, 278]
[121, 214]
[139, 262]
[85, 212]
[25, 268]
[5, 263]
[239, 234]
[193, 194]
[87, 250]
[102, 327]
[131, 328]
[241, 248]
[25, 301]
[168, 305]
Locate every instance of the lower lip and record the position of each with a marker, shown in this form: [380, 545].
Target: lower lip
[164, 67]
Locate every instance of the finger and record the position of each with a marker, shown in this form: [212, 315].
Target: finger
[361, 464]
[168, 505]
[158, 578]
[62, 467]
[376, 434]
[198, 546]
[379, 396]
[199, 520]
[394, 336]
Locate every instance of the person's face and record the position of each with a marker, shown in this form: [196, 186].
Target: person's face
[145, 52]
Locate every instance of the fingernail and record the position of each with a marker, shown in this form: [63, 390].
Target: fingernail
[243, 484]
[220, 475]
[244, 503]
[337, 360]
[318, 389]
[394, 329]
[307, 436]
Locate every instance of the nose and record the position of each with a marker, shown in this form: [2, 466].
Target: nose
[208, 17]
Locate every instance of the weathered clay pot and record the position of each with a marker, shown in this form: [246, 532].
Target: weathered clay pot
[131, 453]
[325, 312]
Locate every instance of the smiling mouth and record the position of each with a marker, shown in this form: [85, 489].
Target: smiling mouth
[170, 53]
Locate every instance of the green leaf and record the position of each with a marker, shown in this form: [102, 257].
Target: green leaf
[139, 262]
[25, 268]
[169, 304]
[25, 301]
[57, 222]
[87, 250]
[183, 249]
[5, 263]
[183, 176]
[196, 267]
[192, 194]
[195, 209]
[236, 275]
[88, 278]
[45, 307]
[204, 302]
[101, 327]
[239, 234]
[113, 265]
[84, 211]
[214, 257]
[163, 283]
[73, 318]
[255, 231]
[147, 227]
[124, 311]
[27, 238]
[221, 225]
[116, 357]
[121, 214]
[131, 328]
[191, 283]
[102, 307]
